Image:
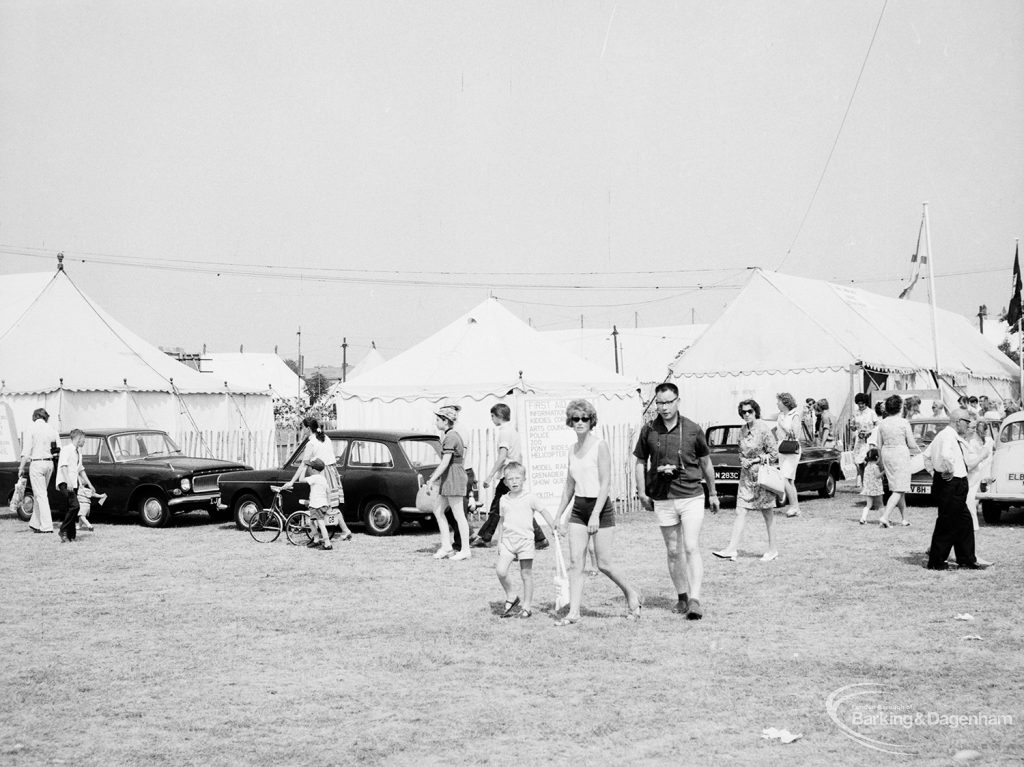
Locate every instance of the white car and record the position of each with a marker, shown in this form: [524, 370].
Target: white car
[1006, 485]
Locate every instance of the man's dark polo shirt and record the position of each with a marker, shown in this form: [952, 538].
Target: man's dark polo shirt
[684, 446]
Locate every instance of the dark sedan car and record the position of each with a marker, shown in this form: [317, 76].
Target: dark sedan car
[142, 472]
[818, 470]
[381, 472]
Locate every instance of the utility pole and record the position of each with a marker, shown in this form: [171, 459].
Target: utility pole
[298, 392]
[636, 320]
[344, 359]
[982, 314]
[693, 316]
[615, 344]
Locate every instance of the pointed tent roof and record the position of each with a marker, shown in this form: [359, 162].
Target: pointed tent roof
[487, 351]
[262, 370]
[780, 323]
[50, 330]
[373, 359]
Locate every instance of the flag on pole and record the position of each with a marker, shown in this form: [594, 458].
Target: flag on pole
[1013, 314]
[918, 259]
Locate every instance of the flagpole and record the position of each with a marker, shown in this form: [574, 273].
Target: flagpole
[1020, 345]
[931, 284]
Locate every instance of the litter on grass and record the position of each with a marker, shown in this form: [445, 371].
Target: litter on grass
[963, 617]
[970, 637]
[770, 733]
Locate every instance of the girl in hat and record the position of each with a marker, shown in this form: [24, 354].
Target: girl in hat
[450, 476]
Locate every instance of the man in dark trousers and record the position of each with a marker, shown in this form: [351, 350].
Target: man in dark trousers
[951, 459]
[509, 451]
[71, 473]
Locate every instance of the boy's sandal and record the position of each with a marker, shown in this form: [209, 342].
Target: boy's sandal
[510, 606]
[567, 621]
[526, 613]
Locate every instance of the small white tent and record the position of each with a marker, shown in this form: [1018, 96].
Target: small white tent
[485, 357]
[645, 354]
[258, 370]
[61, 351]
[816, 339]
[373, 359]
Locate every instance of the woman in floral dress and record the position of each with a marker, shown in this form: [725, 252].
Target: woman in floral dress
[757, 448]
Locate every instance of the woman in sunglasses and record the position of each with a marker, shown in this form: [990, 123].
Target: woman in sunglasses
[758, 447]
[586, 510]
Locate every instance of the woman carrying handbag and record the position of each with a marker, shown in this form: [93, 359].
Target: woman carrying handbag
[757, 488]
[787, 422]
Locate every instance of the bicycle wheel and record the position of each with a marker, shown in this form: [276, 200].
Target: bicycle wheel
[299, 528]
[265, 526]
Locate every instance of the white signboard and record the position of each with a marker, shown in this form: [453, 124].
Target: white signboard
[546, 443]
[10, 448]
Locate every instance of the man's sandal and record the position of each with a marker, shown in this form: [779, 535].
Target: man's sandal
[510, 606]
[525, 613]
[567, 621]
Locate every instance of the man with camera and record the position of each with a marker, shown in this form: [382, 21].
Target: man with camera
[671, 456]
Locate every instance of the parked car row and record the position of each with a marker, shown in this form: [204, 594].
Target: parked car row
[144, 474]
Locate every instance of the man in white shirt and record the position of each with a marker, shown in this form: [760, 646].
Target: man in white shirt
[37, 464]
[509, 451]
[951, 459]
[70, 474]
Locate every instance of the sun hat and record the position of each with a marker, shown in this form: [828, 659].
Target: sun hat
[315, 463]
[449, 412]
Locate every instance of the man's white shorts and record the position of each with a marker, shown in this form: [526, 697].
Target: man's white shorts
[675, 510]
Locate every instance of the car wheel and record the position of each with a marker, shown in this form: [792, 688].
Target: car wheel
[28, 505]
[380, 517]
[991, 511]
[246, 505]
[828, 490]
[153, 511]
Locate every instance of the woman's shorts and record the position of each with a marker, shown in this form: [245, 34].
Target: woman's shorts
[583, 507]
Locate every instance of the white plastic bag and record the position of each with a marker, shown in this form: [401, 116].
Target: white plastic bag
[561, 576]
[19, 494]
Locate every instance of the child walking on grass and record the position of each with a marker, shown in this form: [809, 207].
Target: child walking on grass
[872, 488]
[319, 505]
[516, 510]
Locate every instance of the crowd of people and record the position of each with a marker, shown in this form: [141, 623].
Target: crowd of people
[674, 475]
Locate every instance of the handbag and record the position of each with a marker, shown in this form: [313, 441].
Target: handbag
[561, 576]
[789, 447]
[770, 477]
[426, 499]
[848, 464]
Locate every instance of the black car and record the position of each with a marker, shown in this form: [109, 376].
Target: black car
[381, 472]
[141, 471]
[818, 471]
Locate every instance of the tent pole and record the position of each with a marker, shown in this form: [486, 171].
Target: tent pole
[931, 290]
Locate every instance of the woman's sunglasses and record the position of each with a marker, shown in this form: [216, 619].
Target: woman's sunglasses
[578, 418]
[746, 410]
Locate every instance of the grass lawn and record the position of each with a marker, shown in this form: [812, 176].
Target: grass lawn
[196, 645]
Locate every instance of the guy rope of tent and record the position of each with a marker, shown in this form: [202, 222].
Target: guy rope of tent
[241, 415]
[188, 413]
[29, 307]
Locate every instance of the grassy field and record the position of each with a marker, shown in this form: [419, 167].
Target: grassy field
[195, 645]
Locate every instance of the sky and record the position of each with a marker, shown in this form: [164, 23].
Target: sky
[226, 173]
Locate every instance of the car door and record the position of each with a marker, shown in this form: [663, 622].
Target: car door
[369, 469]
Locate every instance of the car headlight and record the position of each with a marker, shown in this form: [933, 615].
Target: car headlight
[186, 484]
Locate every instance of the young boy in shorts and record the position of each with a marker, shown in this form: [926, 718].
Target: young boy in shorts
[516, 510]
[319, 505]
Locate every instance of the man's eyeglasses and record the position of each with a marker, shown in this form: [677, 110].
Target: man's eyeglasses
[963, 420]
[746, 410]
[665, 403]
[578, 418]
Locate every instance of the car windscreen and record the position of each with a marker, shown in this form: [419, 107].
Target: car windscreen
[421, 452]
[143, 444]
[925, 431]
[723, 436]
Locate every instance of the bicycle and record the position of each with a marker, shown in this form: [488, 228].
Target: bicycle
[265, 525]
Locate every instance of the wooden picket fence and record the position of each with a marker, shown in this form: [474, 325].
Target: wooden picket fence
[256, 449]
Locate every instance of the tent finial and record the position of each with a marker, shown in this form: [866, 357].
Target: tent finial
[60, 262]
